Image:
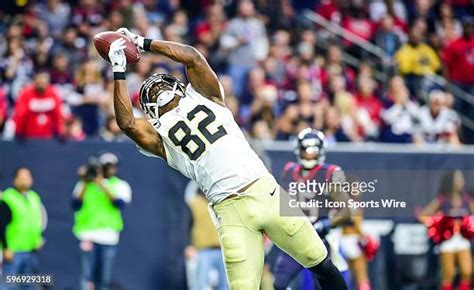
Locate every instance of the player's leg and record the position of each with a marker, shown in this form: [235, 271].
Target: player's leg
[241, 242]
[296, 236]
[465, 265]
[448, 270]
[286, 269]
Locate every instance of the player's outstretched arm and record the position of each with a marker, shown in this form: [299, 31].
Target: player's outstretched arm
[202, 77]
[138, 129]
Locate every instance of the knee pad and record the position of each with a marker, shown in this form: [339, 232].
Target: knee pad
[312, 256]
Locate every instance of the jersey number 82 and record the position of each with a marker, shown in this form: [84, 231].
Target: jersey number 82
[202, 127]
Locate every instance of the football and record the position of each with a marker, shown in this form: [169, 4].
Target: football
[102, 43]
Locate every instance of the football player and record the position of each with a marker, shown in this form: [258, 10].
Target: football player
[310, 152]
[191, 128]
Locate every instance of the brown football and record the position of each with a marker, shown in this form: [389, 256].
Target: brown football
[103, 40]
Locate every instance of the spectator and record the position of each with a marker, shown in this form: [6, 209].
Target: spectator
[335, 66]
[205, 246]
[333, 128]
[16, 67]
[3, 108]
[438, 123]
[447, 27]
[88, 13]
[55, 14]
[98, 199]
[458, 58]
[262, 109]
[378, 9]
[246, 41]
[22, 221]
[299, 52]
[38, 110]
[304, 110]
[72, 45]
[91, 95]
[210, 30]
[60, 71]
[416, 60]
[144, 27]
[256, 80]
[400, 116]
[74, 130]
[111, 132]
[366, 100]
[345, 103]
[358, 23]
[329, 10]
[387, 38]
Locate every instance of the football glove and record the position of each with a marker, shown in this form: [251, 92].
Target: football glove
[135, 38]
[117, 55]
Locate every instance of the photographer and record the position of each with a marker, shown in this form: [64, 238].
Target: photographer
[22, 221]
[98, 199]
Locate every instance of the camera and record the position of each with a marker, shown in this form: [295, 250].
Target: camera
[93, 169]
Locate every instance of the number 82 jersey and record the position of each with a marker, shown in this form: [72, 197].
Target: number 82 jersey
[203, 142]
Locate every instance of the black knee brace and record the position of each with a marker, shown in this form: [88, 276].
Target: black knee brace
[329, 276]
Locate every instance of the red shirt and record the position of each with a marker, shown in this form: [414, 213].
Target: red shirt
[372, 105]
[38, 115]
[3, 106]
[464, 3]
[328, 10]
[363, 28]
[459, 59]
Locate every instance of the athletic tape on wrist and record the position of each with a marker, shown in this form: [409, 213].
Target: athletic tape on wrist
[147, 44]
[119, 75]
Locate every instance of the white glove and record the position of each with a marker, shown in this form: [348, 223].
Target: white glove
[135, 38]
[117, 55]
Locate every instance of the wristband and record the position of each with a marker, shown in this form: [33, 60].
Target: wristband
[147, 44]
[119, 75]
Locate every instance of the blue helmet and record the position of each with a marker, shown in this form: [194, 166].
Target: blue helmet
[311, 141]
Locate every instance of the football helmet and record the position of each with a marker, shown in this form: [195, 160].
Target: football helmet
[157, 91]
[311, 141]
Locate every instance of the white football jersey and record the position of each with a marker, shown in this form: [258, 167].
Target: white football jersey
[204, 143]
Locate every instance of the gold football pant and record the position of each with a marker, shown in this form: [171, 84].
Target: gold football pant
[242, 221]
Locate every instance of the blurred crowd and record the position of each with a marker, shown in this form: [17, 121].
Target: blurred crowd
[280, 71]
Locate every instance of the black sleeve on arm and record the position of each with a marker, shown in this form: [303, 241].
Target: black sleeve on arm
[5, 219]
[119, 203]
[76, 203]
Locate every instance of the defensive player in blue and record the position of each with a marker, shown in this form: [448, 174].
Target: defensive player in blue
[310, 152]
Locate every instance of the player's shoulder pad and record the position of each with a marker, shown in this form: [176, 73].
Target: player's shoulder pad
[336, 173]
[289, 166]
